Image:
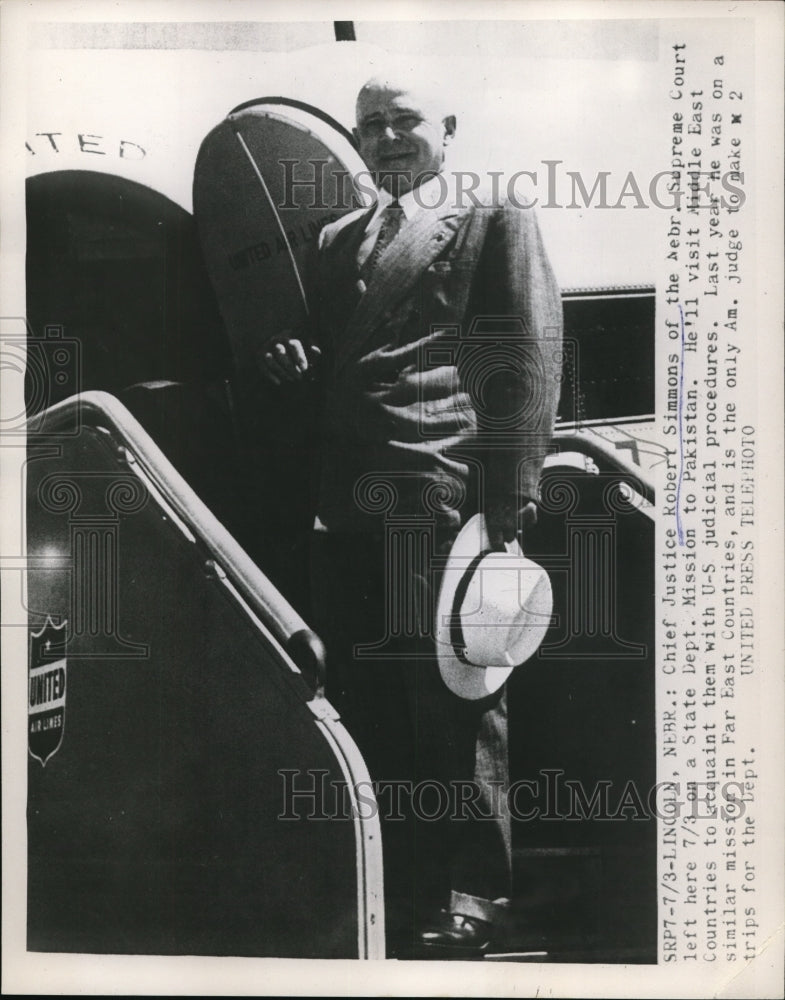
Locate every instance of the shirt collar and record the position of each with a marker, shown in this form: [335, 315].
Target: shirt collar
[428, 195]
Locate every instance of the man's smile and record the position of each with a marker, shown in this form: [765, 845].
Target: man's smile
[397, 155]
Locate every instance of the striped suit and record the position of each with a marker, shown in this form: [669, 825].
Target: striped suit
[440, 387]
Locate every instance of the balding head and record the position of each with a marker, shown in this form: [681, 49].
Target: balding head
[402, 131]
[422, 90]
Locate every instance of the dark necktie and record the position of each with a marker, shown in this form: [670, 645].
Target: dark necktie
[392, 220]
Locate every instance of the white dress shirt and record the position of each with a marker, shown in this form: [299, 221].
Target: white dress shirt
[429, 195]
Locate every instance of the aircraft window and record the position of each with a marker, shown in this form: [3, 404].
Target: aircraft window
[608, 356]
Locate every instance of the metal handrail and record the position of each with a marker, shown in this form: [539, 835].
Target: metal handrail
[262, 596]
[606, 457]
[256, 589]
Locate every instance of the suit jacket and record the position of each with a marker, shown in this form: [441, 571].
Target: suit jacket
[442, 377]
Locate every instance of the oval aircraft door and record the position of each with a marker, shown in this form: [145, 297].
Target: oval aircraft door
[267, 180]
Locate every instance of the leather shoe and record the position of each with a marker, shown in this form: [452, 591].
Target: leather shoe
[457, 935]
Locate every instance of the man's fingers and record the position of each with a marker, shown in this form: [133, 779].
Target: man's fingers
[496, 538]
[272, 367]
[284, 366]
[495, 523]
[315, 356]
[287, 359]
[296, 354]
[268, 368]
[527, 515]
[504, 523]
[273, 359]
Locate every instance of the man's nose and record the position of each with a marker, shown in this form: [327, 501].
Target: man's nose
[389, 132]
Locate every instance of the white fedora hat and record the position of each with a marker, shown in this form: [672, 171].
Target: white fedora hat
[493, 611]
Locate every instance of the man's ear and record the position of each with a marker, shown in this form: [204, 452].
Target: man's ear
[449, 128]
[356, 137]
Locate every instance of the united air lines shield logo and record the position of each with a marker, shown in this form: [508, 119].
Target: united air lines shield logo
[46, 695]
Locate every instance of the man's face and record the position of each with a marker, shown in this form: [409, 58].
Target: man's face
[399, 137]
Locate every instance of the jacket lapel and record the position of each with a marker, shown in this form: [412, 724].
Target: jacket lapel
[346, 244]
[417, 245]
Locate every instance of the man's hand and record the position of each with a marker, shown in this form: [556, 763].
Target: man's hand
[288, 358]
[505, 521]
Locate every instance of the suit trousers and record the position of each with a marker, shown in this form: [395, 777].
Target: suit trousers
[439, 762]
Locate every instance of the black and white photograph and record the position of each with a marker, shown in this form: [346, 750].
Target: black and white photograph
[392, 498]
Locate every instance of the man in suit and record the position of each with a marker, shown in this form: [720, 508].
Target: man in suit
[437, 325]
